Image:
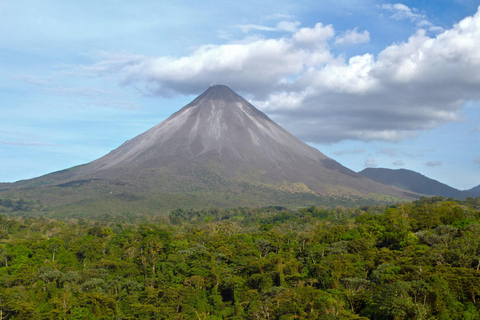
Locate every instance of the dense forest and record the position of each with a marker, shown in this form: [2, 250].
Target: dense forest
[418, 260]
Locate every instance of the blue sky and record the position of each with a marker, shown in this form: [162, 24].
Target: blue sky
[369, 83]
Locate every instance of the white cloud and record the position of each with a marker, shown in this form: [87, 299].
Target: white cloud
[477, 160]
[408, 87]
[353, 37]
[257, 66]
[399, 163]
[400, 12]
[288, 26]
[316, 36]
[246, 28]
[348, 77]
[280, 16]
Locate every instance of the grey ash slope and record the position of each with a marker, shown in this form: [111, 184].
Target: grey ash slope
[221, 131]
[218, 143]
[218, 124]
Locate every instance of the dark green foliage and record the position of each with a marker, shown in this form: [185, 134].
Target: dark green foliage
[417, 260]
[19, 205]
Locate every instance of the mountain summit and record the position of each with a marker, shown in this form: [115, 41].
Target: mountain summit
[216, 148]
[217, 127]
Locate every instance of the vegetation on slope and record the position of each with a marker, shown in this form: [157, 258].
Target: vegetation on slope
[98, 197]
[416, 260]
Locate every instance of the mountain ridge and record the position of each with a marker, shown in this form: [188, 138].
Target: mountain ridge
[474, 190]
[417, 182]
[217, 144]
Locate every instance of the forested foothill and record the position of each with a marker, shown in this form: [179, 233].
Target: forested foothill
[416, 260]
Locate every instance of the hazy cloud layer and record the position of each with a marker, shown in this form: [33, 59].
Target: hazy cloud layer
[289, 26]
[20, 139]
[389, 152]
[434, 163]
[32, 79]
[400, 11]
[353, 151]
[398, 163]
[408, 87]
[27, 143]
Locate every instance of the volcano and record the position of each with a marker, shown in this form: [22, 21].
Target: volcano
[219, 150]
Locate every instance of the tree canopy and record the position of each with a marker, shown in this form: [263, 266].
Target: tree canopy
[418, 260]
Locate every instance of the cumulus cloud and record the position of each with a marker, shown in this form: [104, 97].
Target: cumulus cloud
[434, 163]
[315, 36]
[406, 88]
[258, 66]
[353, 37]
[398, 163]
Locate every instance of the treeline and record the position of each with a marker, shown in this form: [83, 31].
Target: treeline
[16, 205]
[417, 260]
